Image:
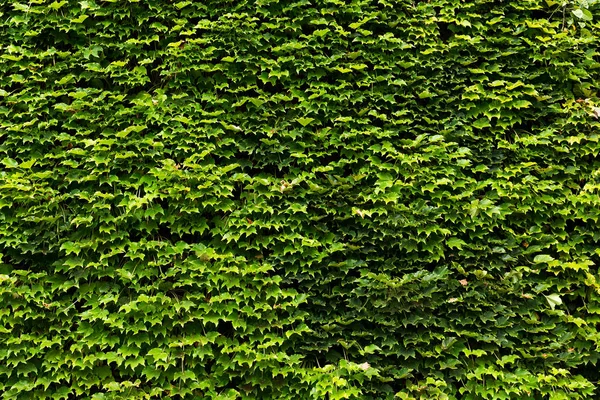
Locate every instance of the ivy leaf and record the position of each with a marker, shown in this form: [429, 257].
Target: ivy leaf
[583, 14]
[71, 247]
[182, 4]
[543, 258]
[257, 102]
[521, 104]
[553, 300]
[80, 19]
[57, 4]
[455, 243]
[305, 121]
[426, 94]
[370, 349]
[10, 163]
[230, 127]
[158, 354]
[482, 123]
[134, 362]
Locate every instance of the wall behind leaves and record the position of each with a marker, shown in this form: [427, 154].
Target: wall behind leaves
[286, 199]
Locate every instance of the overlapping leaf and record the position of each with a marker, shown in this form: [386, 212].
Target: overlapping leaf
[299, 199]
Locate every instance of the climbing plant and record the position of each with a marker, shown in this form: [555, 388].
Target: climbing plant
[294, 199]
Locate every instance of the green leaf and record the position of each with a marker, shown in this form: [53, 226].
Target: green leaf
[159, 354]
[71, 247]
[508, 359]
[455, 243]
[10, 163]
[583, 14]
[521, 104]
[134, 362]
[57, 4]
[182, 4]
[230, 126]
[482, 123]
[543, 258]
[65, 80]
[553, 300]
[425, 94]
[370, 349]
[305, 121]
[80, 19]
[257, 102]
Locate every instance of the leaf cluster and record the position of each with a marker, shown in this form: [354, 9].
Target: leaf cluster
[299, 200]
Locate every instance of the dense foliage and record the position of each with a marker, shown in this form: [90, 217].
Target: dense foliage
[293, 199]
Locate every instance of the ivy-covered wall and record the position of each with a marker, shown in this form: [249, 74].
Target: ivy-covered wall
[293, 199]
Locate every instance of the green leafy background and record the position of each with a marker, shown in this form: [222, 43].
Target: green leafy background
[293, 199]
